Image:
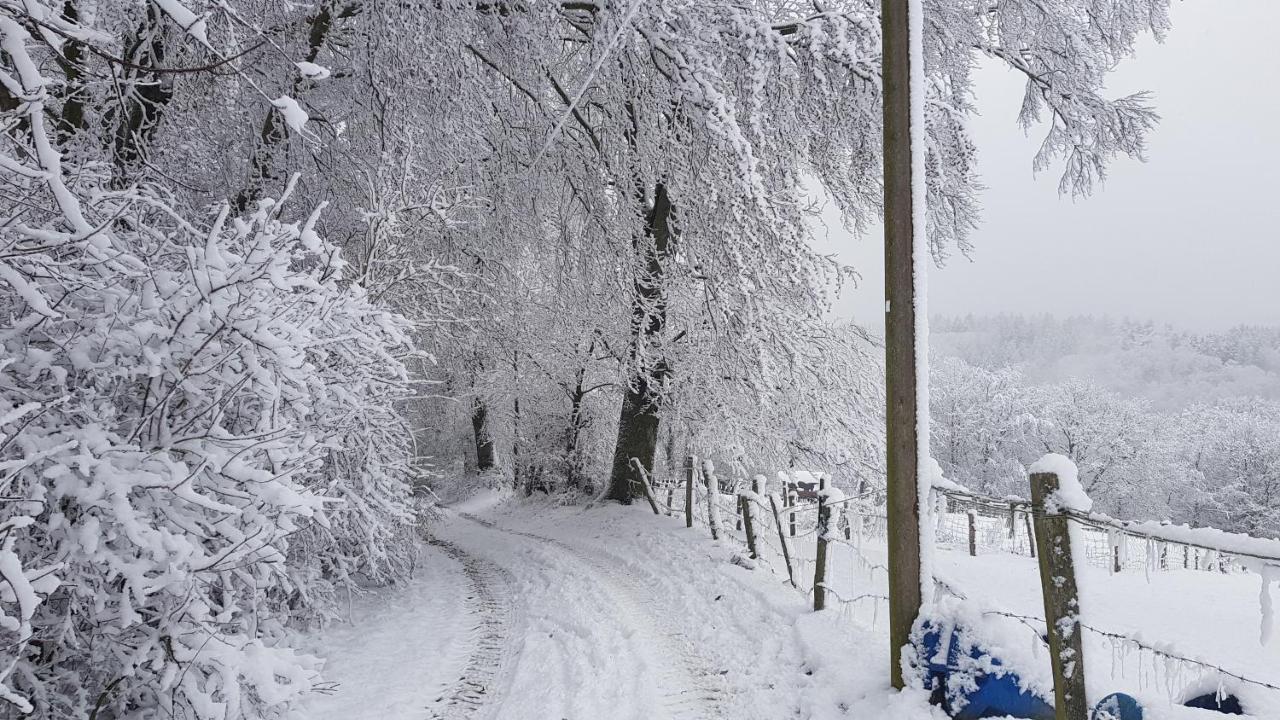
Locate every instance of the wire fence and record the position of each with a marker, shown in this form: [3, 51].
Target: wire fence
[787, 526]
[1005, 525]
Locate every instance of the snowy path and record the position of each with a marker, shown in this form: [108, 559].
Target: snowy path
[528, 611]
[593, 643]
[493, 614]
[543, 613]
[403, 649]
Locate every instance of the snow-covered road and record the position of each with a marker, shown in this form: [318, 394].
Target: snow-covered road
[540, 613]
[589, 643]
[525, 610]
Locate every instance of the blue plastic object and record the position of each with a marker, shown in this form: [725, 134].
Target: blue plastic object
[1118, 706]
[1229, 705]
[994, 696]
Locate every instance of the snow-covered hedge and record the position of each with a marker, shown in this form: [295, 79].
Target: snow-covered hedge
[198, 441]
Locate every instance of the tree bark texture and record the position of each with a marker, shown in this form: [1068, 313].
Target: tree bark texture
[638, 420]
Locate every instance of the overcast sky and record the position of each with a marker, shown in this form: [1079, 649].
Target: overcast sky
[1189, 237]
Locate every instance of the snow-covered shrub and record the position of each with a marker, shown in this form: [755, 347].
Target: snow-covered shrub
[198, 440]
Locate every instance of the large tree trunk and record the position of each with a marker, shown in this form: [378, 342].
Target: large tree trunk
[638, 421]
[484, 443]
[577, 420]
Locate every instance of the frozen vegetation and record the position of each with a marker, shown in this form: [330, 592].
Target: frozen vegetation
[344, 347]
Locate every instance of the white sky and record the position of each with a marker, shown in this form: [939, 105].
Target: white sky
[1189, 237]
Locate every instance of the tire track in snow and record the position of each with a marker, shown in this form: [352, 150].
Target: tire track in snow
[478, 692]
[689, 690]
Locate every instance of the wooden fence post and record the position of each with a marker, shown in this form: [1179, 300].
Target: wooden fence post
[691, 468]
[820, 566]
[1013, 522]
[782, 539]
[1031, 536]
[973, 531]
[671, 499]
[792, 499]
[1061, 600]
[744, 508]
[737, 493]
[713, 491]
[644, 484]
[1115, 559]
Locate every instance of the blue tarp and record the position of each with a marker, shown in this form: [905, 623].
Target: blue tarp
[1118, 706]
[996, 695]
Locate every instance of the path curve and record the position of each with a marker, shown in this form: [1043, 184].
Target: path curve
[684, 686]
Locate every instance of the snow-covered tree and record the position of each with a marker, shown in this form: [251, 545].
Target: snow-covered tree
[198, 426]
[1231, 452]
[978, 418]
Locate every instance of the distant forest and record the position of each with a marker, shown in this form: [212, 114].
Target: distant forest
[1163, 423]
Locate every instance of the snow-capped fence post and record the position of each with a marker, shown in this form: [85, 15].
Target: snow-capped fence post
[1061, 597]
[744, 509]
[820, 564]
[691, 468]
[972, 514]
[782, 539]
[643, 478]
[713, 490]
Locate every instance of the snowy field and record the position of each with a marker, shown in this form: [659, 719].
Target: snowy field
[526, 610]
[1211, 618]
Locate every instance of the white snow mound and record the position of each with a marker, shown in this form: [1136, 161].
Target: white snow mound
[1070, 494]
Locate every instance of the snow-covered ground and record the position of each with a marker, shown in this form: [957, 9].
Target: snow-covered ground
[525, 610]
[612, 613]
[402, 648]
[1209, 617]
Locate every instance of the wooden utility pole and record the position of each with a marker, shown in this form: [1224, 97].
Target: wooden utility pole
[900, 335]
